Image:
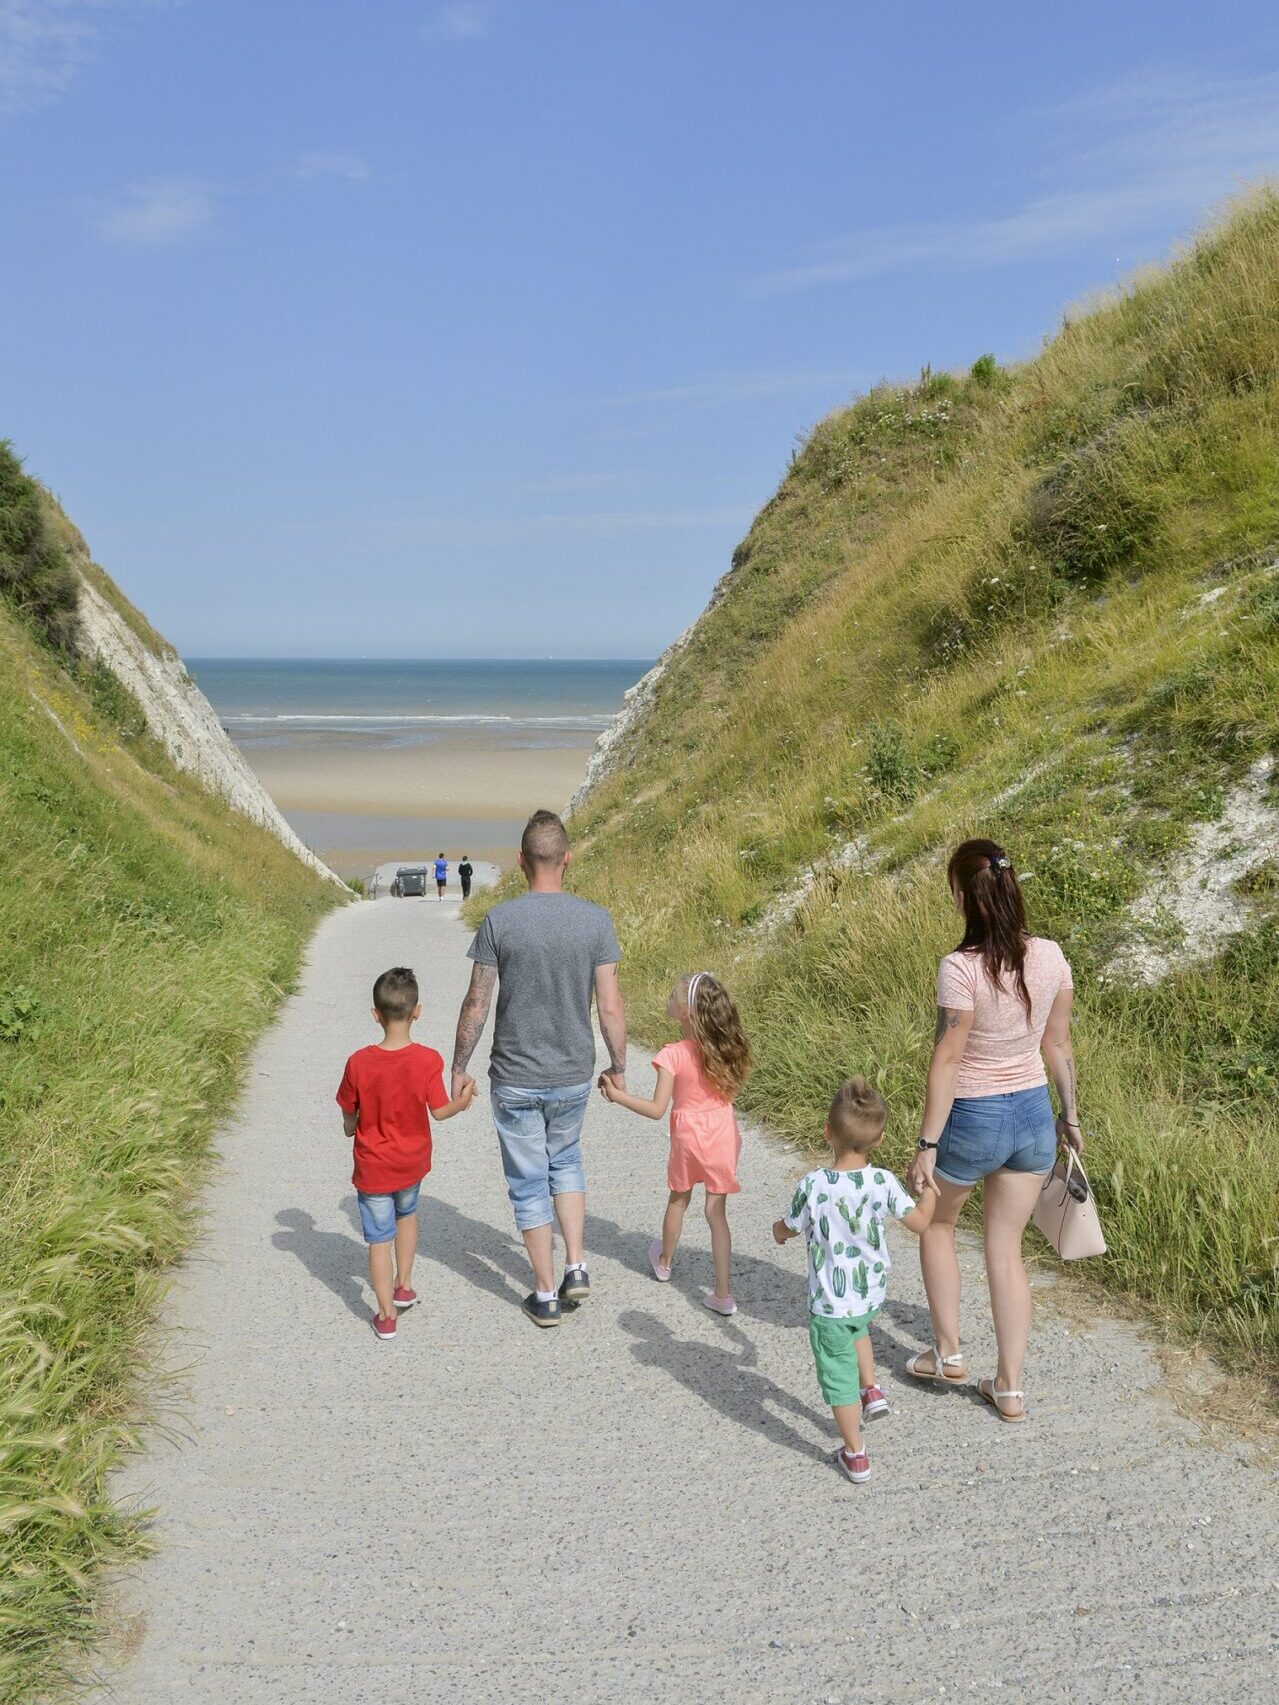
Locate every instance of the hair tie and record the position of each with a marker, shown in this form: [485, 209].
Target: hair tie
[1003, 862]
[692, 987]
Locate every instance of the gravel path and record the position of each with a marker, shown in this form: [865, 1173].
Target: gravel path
[637, 1506]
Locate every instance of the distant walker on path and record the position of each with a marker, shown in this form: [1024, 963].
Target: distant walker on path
[464, 875]
[441, 875]
[547, 952]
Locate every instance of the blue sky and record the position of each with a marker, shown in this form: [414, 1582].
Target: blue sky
[385, 327]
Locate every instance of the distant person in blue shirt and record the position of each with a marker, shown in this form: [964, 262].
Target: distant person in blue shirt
[441, 875]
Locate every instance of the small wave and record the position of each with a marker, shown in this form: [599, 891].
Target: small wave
[358, 720]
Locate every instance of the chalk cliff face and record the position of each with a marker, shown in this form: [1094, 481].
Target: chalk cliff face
[181, 718]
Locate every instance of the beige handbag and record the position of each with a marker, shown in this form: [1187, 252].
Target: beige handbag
[1066, 1212]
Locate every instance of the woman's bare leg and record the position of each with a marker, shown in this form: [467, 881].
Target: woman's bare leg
[1008, 1200]
[940, 1266]
[721, 1243]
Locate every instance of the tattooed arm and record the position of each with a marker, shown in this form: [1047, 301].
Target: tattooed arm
[949, 1041]
[470, 1024]
[1059, 1057]
[612, 1017]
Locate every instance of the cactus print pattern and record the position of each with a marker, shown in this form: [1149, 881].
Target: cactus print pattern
[848, 1277]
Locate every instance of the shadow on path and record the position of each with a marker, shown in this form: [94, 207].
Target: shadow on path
[725, 1380]
[764, 1290]
[336, 1260]
[477, 1252]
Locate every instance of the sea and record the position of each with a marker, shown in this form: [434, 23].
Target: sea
[301, 722]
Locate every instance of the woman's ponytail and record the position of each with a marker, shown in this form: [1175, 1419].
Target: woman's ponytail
[994, 912]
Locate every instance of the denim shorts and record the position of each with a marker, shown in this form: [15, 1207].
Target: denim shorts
[378, 1214]
[540, 1133]
[1015, 1131]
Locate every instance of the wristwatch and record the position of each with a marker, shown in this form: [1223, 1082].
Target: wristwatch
[926, 1145]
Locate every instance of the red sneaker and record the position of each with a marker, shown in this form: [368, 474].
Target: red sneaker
[384, 1327]
[403, 1298]
[874, 1403]
[855, 1467]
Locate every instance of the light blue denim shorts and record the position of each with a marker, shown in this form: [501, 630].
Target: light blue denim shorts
[378, 1214]
[986, 1132]
[540, 1133]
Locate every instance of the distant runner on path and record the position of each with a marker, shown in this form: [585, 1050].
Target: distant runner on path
[547, 952]
[441, 875]
[464, 875]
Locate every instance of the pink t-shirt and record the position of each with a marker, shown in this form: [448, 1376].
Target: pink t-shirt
[1003, 1045]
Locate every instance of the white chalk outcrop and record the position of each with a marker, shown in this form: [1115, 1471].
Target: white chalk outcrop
[182, 719]
[1191, 910]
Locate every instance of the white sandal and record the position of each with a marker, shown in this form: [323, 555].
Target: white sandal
[987, 1389]
[938, 1369]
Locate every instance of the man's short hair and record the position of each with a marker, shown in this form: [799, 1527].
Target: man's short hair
[858, 1114]
[395, 993]
[545, 840]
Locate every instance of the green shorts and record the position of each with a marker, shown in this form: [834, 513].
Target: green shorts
[835, 1353]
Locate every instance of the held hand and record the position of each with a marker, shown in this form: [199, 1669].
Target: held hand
[468, 1095]
[1070, 1135]
[610, 1080]
[919, 1177]
[605, 1086]
[463, 1083]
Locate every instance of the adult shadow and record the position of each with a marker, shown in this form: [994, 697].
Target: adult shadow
[763, 1289]
[475, 1251]
[336, 1260]
[725, 1380]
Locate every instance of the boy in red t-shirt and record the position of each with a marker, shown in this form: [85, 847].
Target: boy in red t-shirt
[384, 1095]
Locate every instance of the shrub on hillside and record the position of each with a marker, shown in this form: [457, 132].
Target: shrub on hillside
[35, 575]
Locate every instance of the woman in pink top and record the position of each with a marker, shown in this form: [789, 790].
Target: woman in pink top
[1003, 1013]
[697, 1078]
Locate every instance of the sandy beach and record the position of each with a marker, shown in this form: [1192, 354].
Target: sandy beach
[378, 760]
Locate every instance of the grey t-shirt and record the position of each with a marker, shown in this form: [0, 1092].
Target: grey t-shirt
[546, 948]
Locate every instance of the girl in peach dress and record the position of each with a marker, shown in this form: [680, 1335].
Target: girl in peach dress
[697, 1078]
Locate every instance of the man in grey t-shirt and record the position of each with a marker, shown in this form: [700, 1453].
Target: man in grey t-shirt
[547, 952]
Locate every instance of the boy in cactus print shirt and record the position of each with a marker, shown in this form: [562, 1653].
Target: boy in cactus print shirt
[842, 1211]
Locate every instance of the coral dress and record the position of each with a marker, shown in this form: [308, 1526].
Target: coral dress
[705, 1141]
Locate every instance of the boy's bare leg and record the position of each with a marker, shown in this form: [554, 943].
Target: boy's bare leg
[570, 1211]
[865, 1362]
[721, 1242]
[380, 1277]
[673, 1223]
[406, 1249]
[848, 1418]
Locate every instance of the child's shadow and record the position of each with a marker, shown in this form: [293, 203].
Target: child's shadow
[336, 1260]
[764, 1290]
[724, 1379]
[476, 1252]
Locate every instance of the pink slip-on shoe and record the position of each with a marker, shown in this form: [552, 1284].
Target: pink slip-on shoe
[403, 1298]
[661, 1273]
[874, 1403]
[384, 1327]
[720, 1305]
[853, 1465]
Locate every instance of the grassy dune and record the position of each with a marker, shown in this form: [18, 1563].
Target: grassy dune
[1042, 604]
[148, 934]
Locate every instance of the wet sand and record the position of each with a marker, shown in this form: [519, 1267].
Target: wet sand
[359, 804]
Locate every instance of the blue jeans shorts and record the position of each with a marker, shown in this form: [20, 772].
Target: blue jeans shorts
[985, 1133]
[540, 1133]
[378, 1214]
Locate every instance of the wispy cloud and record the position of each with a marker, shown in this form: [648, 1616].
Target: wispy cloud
[715, 390]
[465, 20]
[1137, 153]
[44, 44]
[337, 163]
[161, 214]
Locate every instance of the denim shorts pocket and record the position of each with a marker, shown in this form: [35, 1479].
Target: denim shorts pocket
[972, 1142]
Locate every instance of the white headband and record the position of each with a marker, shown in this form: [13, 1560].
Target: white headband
[692, 987]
